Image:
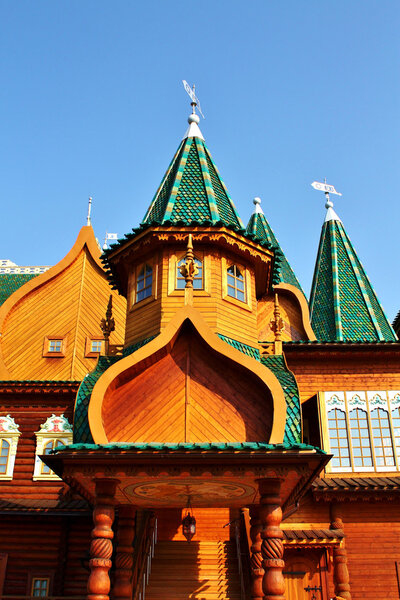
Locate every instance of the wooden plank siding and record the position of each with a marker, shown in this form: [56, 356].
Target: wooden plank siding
[191, 394]
[221, 315]
[290, 314]
[30, 411]
[70, 306]
[322, 374]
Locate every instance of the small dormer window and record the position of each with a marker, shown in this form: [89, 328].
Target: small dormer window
[197, 279]
[54, 346]
[144, 283]
[236, 283]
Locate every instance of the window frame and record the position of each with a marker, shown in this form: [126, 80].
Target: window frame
[53, 338]
[174, 258]
[9, 432]
[367, 401]
[88, 346]
[41, 575]
[247, 302]
[134, 303]
[55, 429]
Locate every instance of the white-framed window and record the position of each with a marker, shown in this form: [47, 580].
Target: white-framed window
[56, 431]
[362, 430]
[9, 435]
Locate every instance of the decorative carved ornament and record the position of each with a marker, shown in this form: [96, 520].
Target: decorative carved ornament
[54, 431]
[9, 434]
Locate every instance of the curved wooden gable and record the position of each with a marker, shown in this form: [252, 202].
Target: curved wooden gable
[68, 301]
[187, 385]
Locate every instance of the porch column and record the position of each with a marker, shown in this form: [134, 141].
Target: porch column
[122, 589]
[257, 571]
[273, 584]
[340, 570]
[101, 547]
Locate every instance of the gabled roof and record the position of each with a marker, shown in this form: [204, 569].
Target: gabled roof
[259, 228]
[343, 304]
[192, 191]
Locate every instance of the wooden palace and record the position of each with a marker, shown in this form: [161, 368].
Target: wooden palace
[178, 422]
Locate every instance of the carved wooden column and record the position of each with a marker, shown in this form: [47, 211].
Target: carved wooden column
[101, 547]
[340, 571]
[257, 571]
[122, 589]
[272, 547]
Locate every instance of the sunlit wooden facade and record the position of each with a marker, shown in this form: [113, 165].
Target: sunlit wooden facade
[206, 389]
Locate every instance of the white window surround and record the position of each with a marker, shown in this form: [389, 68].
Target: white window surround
[55, 429]
[9, 432]
[384, 444]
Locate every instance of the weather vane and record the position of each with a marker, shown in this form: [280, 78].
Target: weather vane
[195, 101]
[327, 189]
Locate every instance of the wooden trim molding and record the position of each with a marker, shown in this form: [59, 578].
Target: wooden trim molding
[120, 370]
[47, 353]
[303, 305]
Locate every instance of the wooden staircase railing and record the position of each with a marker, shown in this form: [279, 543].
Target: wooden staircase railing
[143, 556]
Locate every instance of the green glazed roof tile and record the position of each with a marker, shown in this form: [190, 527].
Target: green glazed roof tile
[192, 191]
[9, 282]
[287, 380]
[260, 229]
[188, 447]
[343, 304]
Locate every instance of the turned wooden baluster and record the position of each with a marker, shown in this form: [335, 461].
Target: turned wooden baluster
[340, 570]
[122, 589]
[273, 584]
[101, 548]
[257, 571]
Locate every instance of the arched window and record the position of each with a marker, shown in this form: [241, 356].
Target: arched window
[197, 279]
[9, 434]
[235, 283]
[144, 283]
[47, 450]
[55, 432]
[396, 431]
[382, 439]
[338, 439]
[4, 456]
[360, 440]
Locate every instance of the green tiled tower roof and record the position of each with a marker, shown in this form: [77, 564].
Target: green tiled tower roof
[192, 191]
[343, 304]
[259, 228]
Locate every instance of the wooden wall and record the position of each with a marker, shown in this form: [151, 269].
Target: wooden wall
[234, 319]
[329, 373]
[69, 306]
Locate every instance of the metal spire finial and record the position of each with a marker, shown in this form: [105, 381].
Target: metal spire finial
[327, 189]
[88, 221]
[257, 204]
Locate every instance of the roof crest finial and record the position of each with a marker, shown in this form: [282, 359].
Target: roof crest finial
[327, 189]
[257, 205]
[88, 220]
[193, 119]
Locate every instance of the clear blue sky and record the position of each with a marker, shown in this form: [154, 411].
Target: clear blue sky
[91, 103]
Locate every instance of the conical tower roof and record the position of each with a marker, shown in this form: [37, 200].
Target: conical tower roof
[259, 228]
[192, 191]
[343, 304]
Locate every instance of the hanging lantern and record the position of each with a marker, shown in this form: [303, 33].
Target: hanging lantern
[188, 523]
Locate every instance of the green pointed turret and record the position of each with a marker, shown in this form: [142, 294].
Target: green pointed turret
[260, 229]
[343, 304]
[192, 191]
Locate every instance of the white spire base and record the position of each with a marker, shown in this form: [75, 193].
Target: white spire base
[193, 131]
[257, 205]
[331, 215]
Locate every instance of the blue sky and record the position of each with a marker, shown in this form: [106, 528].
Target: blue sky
[91, 103]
